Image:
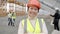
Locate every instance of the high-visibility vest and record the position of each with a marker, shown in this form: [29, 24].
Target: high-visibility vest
[30, 28]
[10, 15]
[14, 16]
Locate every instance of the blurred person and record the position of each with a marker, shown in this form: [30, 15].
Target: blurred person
[56, 19]
[13, 18]
[33, 25]
[10, 18]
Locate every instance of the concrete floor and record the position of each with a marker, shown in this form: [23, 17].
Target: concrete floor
[5, 29]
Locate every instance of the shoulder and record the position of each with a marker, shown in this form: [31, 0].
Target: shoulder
[42, 20]
[22, 22]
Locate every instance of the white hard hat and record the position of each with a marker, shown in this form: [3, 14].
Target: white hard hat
[56, 8]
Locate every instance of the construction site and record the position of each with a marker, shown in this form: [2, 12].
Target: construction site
[20, 8]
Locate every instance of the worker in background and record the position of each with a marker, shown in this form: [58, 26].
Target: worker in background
[56, 19]
[33, 25]
[13, 18]
[10, 18]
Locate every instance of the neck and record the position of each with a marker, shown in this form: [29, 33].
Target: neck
[32, 18]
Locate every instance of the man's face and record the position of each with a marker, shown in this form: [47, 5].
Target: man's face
[32, 11]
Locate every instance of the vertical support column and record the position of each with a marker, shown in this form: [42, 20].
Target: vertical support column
[7, 7]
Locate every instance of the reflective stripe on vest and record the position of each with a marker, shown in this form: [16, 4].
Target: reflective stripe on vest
[30, 27]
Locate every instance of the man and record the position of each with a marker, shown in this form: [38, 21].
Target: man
[13, 18]
[32, 25]
[56, 19]
[10, 18]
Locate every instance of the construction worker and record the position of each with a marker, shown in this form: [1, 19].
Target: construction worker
[13, 18]
[10, 18]
[32, 25]
[56, 19]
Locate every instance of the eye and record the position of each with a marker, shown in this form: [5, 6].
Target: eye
[35, 9]
[31, 8]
